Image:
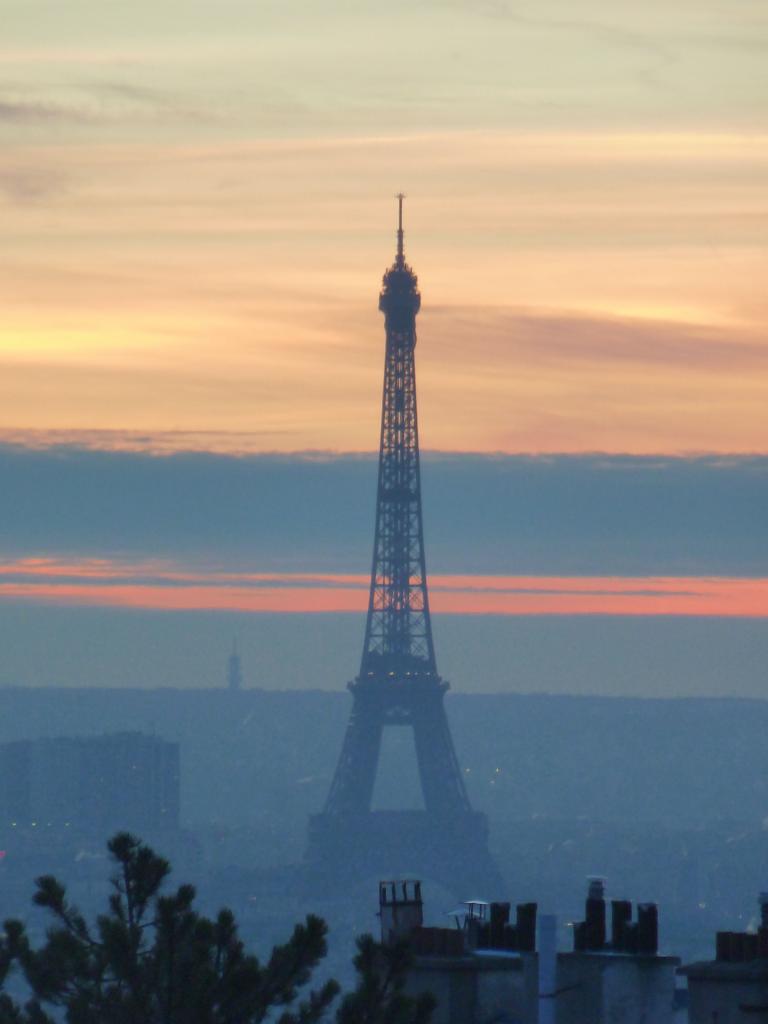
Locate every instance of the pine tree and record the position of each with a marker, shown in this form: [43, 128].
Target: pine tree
[380, 997]
[153, 959]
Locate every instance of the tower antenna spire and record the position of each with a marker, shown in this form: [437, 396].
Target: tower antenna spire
[400, 255]
[234, 668]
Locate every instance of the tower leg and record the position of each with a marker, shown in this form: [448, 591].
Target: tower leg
[352, 788]
[439, 770]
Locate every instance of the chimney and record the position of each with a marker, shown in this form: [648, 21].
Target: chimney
[595, 914]
[400, 910]
[647, 928]
[526, 927]
[763, 901]
[723, 946]
[621, 918]
[547, 968]
[499, 918]
[762, 931]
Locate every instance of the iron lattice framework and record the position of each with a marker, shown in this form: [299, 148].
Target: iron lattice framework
[398, 633]
[398, 683]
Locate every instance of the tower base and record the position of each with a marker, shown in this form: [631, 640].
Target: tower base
[405, 844]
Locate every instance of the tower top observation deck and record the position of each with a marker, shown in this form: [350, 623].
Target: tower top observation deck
[399, 299]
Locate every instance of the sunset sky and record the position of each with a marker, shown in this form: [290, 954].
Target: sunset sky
[197, 207]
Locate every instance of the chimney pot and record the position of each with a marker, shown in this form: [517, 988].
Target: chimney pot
[499, 918]
[763, 901]
[621, 915]
[526, 927]
[595, 913]
[647, 928]
[596, 890]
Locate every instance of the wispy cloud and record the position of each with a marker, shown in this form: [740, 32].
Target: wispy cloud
[95, 102]
[16, 111]
[29, 183]
[571, 337]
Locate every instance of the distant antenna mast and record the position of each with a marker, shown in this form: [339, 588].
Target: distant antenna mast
[234, 669]
[400, 253]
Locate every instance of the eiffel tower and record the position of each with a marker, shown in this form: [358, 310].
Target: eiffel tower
[398, 683]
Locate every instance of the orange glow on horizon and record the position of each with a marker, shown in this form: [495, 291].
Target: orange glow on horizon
[162, 587]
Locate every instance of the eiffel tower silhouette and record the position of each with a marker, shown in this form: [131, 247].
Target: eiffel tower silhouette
[398, 683]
